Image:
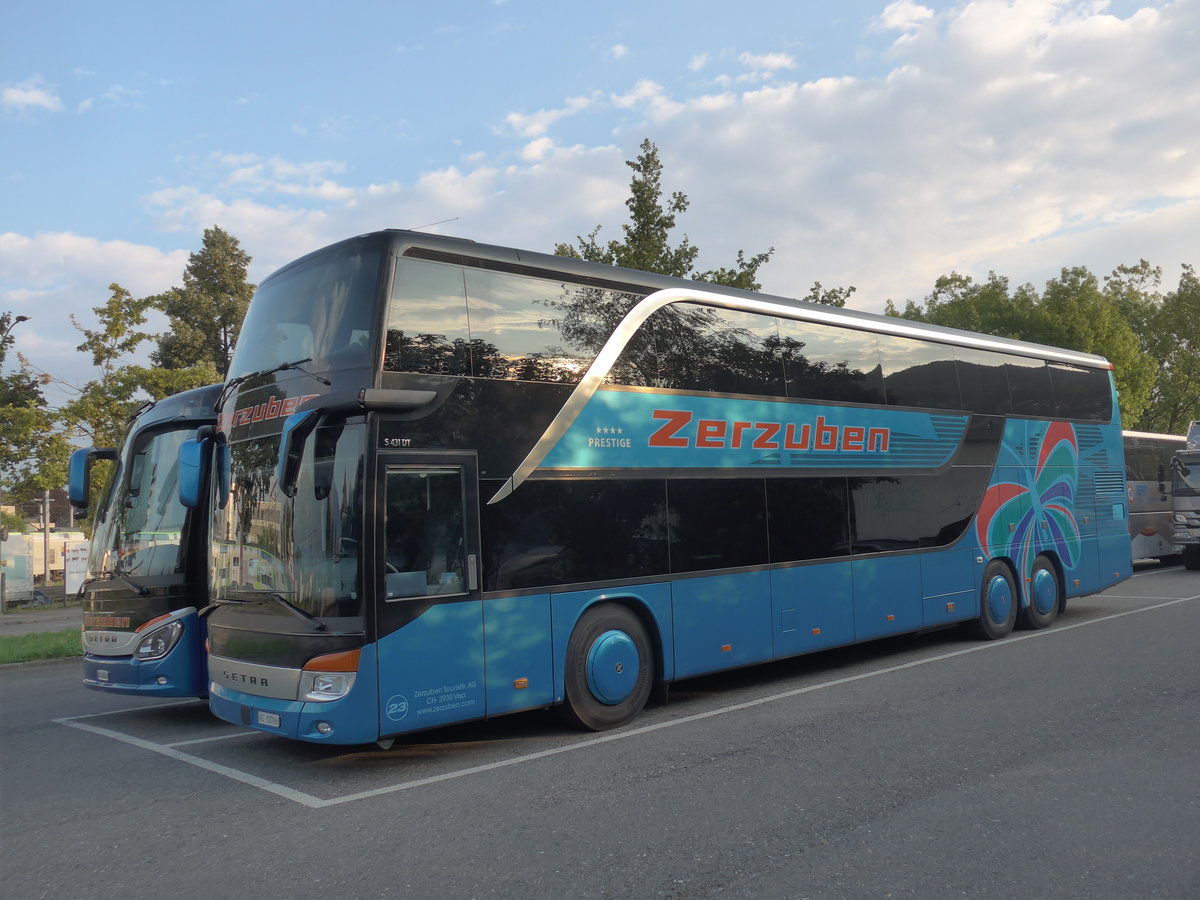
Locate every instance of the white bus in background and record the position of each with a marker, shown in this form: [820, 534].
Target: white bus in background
[1148, 484]
[1185, 499]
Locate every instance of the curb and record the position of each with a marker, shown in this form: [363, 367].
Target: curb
[38, 663]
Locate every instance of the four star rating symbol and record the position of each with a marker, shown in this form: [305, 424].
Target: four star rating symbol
[602, 430]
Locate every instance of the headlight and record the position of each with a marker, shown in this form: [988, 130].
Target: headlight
[323, 686]
[1178, 519]
[158, 643]
[329, 676]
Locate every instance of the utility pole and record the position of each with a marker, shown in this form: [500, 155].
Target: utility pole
[46, 539]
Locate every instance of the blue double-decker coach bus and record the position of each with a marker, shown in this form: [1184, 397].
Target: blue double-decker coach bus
[147, 575]
[457, 480]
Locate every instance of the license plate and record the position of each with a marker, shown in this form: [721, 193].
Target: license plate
[270, 719]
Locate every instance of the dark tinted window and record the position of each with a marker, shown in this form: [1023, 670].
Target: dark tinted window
[983, 379]
[908, 511]
[717, 524]
[823, 362]
[919, 373]
[1029, 381]
[1147, 459]
[1081, 393]
[427, 320]
[719, 350]
[324, 310]
[809, 518]
[570, 532]
[518, 322]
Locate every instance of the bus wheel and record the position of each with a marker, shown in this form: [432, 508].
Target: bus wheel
[1044, 596]
[1191, 556]
[998, 601]
[609, 669]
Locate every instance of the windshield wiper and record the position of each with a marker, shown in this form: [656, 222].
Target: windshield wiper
[226, 602]
[282, 367]
[113, 576]
[282, 601]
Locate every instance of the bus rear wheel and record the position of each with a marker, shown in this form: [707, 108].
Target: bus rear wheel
[1045, 595]
[609, 669]
[998, 601]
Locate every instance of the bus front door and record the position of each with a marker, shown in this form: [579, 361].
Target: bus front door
[429, 614]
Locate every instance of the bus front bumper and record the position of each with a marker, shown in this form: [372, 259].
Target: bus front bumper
[350, 720]
[178, 674]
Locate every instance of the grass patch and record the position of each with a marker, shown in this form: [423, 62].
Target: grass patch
[63, 644]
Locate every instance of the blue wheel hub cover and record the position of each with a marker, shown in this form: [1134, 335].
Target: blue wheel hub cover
[999, 599]
[612, 667]
[1045, 591]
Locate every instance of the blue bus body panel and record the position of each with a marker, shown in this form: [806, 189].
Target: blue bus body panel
[950, 584]
[887, 596]
[517, 640]
[353, 717]
[721, 622]
[813, 607]
[431, 671]
[184, 668]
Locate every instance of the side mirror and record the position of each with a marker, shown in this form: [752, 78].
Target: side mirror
[79, 473]
[194, 459]
[295, 434]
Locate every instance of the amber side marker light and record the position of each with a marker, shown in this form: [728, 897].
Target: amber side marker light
[342, 661]
[148, 625]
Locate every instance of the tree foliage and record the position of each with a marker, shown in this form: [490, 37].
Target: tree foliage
[33, 451]
[647, 245]
[206, 313]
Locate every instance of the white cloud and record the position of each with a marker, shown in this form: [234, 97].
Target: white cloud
[52, 276]
[618, 51]
[536, 124]
[767, 62]
[33, 93]
[903, 15]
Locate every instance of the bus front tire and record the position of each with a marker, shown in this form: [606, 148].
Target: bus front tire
[1191, 556]
[998, 602]
[1045, 596]
[609, 669]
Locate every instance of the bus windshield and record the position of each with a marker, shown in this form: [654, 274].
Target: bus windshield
[1186, 482]
[141, 527]
[303, 549]
[320, 310]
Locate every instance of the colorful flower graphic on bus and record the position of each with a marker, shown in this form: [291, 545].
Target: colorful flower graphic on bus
[1035, 511]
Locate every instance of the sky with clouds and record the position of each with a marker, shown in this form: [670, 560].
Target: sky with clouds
[871, 143]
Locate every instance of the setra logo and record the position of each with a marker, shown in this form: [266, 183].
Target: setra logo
[241, 678]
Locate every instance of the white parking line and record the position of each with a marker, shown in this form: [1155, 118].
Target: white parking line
[318, 803]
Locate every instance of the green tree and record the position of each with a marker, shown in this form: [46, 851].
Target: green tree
[33, 453]
[647, 244]
[1172, 338]
[100, 410]
[206, 313]
[1077, 313]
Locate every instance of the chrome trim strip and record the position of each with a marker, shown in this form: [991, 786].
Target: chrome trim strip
[650, 304]
[248, 678]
